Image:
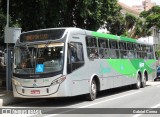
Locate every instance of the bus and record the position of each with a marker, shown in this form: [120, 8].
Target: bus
[64, 62]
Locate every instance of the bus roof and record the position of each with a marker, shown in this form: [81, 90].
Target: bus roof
[120, 38]
[92, 33]
[103, 35]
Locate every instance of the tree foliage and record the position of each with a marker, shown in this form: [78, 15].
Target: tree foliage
[36, 14]
[152, 17]
[86, 14]
[2, 24]
[135, 27]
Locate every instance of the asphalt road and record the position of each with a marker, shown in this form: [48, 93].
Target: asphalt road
[119, 102]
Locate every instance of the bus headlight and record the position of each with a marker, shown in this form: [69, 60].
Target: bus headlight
[17, 83]
[58, 80]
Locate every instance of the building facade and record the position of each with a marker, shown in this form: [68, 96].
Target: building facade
[146, 5]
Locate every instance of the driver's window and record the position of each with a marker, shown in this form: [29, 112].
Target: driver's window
[75, 56]
[76, 50]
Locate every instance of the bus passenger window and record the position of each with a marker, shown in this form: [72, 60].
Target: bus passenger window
[92, 50]
[139, 54]
[91, 42]
[124, 54]
[101, 53]
[93, 53]
[113, 44]
[122, 45]
[103, 43]
[131, 54]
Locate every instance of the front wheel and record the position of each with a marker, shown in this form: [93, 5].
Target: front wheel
[93, 91]
[138, 83]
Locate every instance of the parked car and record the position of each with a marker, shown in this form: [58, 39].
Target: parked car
[158, 73]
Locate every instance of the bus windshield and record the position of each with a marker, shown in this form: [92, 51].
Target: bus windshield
[39, 58]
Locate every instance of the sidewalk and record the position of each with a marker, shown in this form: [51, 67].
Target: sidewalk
[6, 98]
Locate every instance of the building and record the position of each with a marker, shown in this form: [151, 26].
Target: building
[128, 9]
[146, 5]
[139, 8]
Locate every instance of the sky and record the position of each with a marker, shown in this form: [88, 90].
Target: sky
[137, 2]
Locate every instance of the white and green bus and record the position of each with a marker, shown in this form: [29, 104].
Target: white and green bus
[63, 62]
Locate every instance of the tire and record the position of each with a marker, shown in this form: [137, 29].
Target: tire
[92, 91]
[143, 83]
[138, 84]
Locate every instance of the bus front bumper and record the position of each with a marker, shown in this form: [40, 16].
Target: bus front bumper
[39, 92]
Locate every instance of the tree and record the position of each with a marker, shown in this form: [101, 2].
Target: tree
[152, 17]
[2, 25]
[111, 16]
[135, 27]
[36, 14]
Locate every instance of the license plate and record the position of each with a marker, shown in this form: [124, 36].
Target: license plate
[35, 91]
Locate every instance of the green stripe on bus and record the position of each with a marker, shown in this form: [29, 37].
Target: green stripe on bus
[129, 67]
[123, 66]
[127, 39]
[102, 35]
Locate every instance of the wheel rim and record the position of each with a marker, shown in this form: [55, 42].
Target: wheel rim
[144, 80]
[138, 81]
[93, 90]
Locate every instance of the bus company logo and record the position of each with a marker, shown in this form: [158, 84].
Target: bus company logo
[35, 85]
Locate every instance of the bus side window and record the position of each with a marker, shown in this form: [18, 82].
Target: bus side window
[75, 58]
[103, 48]
[92, 49]
[113, 44]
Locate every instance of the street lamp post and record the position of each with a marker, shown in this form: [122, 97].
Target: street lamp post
[7, 13]
[11, 36]
[7, 68]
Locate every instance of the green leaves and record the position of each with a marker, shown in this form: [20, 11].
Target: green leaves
[2, 25]
[86, 14]
[152, 17]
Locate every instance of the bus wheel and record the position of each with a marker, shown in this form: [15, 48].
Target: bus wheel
[143, 83]
[93, 91]
[138, 83]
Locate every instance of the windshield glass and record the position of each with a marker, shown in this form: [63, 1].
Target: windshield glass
[40, 58]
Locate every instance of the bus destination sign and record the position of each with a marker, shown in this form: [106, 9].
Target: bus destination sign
[42, 35]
